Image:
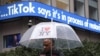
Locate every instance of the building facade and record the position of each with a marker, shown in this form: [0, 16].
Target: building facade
[13, 27]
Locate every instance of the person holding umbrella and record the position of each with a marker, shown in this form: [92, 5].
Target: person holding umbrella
[49, 49]
[52, 36]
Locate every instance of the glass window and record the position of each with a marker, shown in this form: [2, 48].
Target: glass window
[11, 40]
[10, 1]
[28, 0]
[79, 7]
[63, 4]
[93, 10]
[95, 0]
[48, 2]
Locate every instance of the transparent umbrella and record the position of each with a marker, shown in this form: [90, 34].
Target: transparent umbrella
[64, 36]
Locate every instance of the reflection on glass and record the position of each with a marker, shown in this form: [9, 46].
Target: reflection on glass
[93, 9]
[11, 40]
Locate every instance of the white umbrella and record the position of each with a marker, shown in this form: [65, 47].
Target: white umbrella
[64, 36]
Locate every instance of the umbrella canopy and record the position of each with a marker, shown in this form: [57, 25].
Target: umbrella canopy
[63, 35]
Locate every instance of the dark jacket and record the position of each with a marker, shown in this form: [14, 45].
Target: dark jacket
[53, 52]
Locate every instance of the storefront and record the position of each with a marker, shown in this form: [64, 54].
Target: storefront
[14, 19]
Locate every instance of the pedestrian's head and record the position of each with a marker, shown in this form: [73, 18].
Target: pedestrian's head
[48, 44]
